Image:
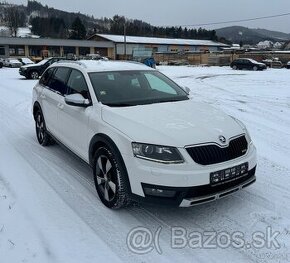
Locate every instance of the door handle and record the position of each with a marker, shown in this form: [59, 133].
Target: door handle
[42, 96]
[60, 106]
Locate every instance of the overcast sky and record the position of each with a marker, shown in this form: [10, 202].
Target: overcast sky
[183, 12]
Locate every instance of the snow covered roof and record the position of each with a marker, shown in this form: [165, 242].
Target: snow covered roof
[160, 41]
[104, 65]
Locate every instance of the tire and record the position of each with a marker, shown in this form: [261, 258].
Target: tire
[255, 68]
[40, 128]
[34, 74]
[110, 178]
[235, 67]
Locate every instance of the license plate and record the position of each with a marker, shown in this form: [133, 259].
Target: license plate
[229, 174]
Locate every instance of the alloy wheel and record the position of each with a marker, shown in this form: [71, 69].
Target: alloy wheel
[40, 129]
[34, 75]
[105, 178]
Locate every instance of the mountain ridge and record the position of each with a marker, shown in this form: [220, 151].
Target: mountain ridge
[237, 34]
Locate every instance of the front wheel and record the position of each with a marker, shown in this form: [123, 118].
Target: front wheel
[34, 75]
[235, 67]
[110, 176]
[255, 68]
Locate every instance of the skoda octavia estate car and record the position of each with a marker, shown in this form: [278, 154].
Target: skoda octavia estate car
[142, 134]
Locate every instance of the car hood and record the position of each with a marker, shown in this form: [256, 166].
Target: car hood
[28, 66]
[175, 123]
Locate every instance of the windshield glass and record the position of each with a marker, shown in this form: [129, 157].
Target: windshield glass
[42, 62]
[130, 88]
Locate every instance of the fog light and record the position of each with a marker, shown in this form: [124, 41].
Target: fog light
[159, 192]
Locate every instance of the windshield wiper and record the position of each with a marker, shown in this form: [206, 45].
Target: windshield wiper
[119, 104]
[172, 100]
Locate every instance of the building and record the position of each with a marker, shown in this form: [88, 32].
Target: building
[157, 44]
[46, 47]
[111, 46]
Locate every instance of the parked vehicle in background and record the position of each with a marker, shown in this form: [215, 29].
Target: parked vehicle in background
[247, 63]
[144, 56]
[1, 63]
[26, 61]
[94, 57]
[268, 62]
[143, 136]
[12, 63]
[273, 63]
[288, 65]
[34, 71]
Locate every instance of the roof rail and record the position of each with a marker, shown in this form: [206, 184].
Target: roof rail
[73, 62]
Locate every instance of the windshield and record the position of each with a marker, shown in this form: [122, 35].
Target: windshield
[42, 62]
[130, 88]
[27, 60]
[253, 61]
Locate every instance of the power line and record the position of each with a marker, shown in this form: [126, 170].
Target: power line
[236, 21]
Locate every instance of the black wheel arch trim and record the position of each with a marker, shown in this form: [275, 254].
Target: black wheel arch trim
[101, 140]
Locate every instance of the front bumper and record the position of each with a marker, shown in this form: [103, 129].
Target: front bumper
[190, 196]
[190, 181]
[22, 73]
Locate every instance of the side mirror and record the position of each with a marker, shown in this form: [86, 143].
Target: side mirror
[186, 89]
[77, 100]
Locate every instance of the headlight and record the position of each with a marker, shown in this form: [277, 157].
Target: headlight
[157, 153]
[243, 126]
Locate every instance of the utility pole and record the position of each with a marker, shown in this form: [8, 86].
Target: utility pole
[125, 40]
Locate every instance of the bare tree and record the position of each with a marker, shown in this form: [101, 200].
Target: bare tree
[14, 19]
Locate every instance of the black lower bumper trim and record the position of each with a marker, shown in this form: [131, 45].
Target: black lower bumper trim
[198, 192]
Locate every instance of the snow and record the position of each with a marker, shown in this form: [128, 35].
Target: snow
[161, 41]
[49, 210]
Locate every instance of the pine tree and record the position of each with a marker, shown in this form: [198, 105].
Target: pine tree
[78, 29]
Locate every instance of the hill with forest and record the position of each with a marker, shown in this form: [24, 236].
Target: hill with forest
[50, 22]
[237, 34]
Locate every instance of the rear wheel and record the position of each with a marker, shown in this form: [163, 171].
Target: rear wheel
[34, 74]
[40, 128]
[110, 176]
[235, 67]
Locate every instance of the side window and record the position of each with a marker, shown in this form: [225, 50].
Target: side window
[46, 77]
[77, 84]
[158, 84]
[58, 81]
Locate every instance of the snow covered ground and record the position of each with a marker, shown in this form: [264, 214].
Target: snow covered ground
[49, 210]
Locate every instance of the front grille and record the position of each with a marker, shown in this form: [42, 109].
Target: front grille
[212, 153]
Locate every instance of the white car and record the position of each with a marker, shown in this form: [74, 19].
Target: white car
[288, 65]
[26, 61]
[144, 138]
[12, 63]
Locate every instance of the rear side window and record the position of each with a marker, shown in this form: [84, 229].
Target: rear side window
[46, 77]
[77, 84]
[58, 81]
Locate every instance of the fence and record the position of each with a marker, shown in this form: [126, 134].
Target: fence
[216, 59]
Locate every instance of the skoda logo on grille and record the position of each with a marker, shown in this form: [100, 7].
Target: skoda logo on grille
[222, 139]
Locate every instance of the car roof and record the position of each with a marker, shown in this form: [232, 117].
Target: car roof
[103, 65]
